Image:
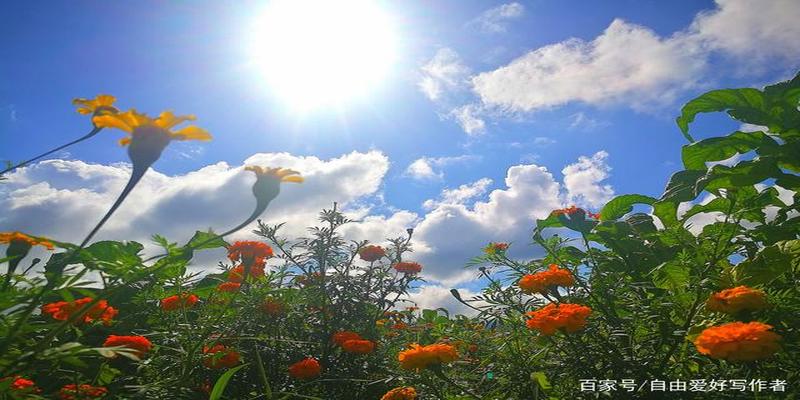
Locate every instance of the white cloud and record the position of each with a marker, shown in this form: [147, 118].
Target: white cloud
[468, 117]
[461, 194]
[754, 31]
[580, 121]
[430, 168]
[444, 72]
[543, 141]
[582, 180]
[628, 63]
[63, 199]
[495, 20]
[435, 296]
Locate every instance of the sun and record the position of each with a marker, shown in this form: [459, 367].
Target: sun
[318, 53]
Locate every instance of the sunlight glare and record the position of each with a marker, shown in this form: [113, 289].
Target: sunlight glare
[316, 53]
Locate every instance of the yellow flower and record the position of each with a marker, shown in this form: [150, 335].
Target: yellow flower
[10, 237]
[280, 174]
[135, 123]
[100, 105]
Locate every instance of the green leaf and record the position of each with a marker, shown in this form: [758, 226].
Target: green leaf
[115, 258]
[672, 276]
[696, 155]
[222, 382]
[770, 263]
[206, 240]
[622, 205]
[541, 379]
[747, 105]
[683, 186]
[745, 173]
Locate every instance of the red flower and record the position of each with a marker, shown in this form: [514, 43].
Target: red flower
[81, 392]
[229, 287]
[305, 369]
[249, 251]
[495, 248]
[568, 211]
[176, 302]
[62, 310]
[342, 336]
[256, 271]
[139, 344]
[358, 346]
[23, 385]
[371, 253]
[407, 267]
[226, 358]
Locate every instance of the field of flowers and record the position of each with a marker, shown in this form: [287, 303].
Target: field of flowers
[627, 302]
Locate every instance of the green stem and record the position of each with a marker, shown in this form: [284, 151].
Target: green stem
[93, 132]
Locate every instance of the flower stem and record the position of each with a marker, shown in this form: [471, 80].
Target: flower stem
[80, 139]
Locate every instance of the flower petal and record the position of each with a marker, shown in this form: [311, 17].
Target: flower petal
[191, 132]
[168, 119]
[112, 121]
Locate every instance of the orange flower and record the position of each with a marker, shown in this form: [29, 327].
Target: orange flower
[358, 346]
[220, 356]
[305, 369]
[408, 267]
[401, 393]
[62, 310]
[176, 302]
[548, 319]
[81, 392]
[256, 271]
[229, 287]
[103, 104]
[371, 253]
[738, 341]
[567, 211]
[249, 251]
[21, 238]
[140, 344]
[494, 248]
[540, 282]
[737, 299]
[420, 357]
[593, 215]
[342, 336]
[272, 307]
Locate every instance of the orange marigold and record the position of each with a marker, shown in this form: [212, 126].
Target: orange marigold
[358, 346]
[140, 344]
[307, 368]
[81, 392]
[401, 393]
[272, 307]
[371, 253]
[552, 317]
[420, 357]
[407, 267]
[494, 248]
[176, 302]
[19, 237]
[540, 282]
[249, 251]
[737, 299]
[63, 310]
[342, 336]
[256, 271]
[738, 341]
[219, 356]
[229, 287]
[568, 211]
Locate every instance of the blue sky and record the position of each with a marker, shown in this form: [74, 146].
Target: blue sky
[477, 88]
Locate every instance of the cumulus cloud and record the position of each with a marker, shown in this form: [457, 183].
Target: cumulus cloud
[496, 20]
[582, 180]
[63, 199]
[468, 117]
[627, 63]
[755, 31]
[430, 168]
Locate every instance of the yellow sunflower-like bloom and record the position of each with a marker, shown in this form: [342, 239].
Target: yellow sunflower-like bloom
[10, 237]
[279, 174]
[149, 136]
[103, 104]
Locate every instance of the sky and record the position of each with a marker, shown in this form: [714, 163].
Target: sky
[485, 114]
